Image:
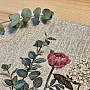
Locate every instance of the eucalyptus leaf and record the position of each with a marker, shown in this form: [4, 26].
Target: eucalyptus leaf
[32, 55]
[38, 43]
[40, 60]
[8, 82]
[22, 73]
[47, 14]
[37, 12]
[37, 82]
[1, 29]
[4, 66]
[14, 80]
[34, 74]
[52, 82]
[19, 84]
[15, 19]
[26, 61]
[26, 14]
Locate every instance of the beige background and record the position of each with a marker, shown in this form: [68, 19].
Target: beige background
[73, 10]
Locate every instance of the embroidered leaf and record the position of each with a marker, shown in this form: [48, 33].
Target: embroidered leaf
[19, 84]
[52, 82]
[62, 80]
[51, 38]
[22, 73]
[26, 61]
[32, 55]
[34, 74]
[40, 60]
[4, 66]
[37, 82]
[8, 82]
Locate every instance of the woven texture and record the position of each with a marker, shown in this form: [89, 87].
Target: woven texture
[73, 39]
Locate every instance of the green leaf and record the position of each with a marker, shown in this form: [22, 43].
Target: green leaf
[25, 87]
[26, 14]
[52, 82]
[15, 19]
[19, 84]
[38, 43]
[14, 80]
[51, 38]
[4, 66]
[40, 60]
[26, 61]
[37, 66]
[62, 80]
[8, 82]
[37, 12]
[34, 68]
[47, 14]
[37, 82]
[22, 73]
[1, 29]
[58, 86]
[34, 74]
[32, 55]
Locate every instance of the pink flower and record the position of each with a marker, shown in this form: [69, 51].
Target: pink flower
[58, 60]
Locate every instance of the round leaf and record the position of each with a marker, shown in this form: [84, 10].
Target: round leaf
[34, 74]
[1, 29]
[15, 18]
[22, 73]
[19, 84]
[26, 61]
[32, 55]
[37, 12]
[26, 14]
[46, 14]
[4, 66]
[8, 82]
[40, 60]
[37, 82]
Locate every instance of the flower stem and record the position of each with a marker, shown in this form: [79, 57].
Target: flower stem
[48, 78]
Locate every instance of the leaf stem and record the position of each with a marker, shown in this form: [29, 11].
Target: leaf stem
[48, 78]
